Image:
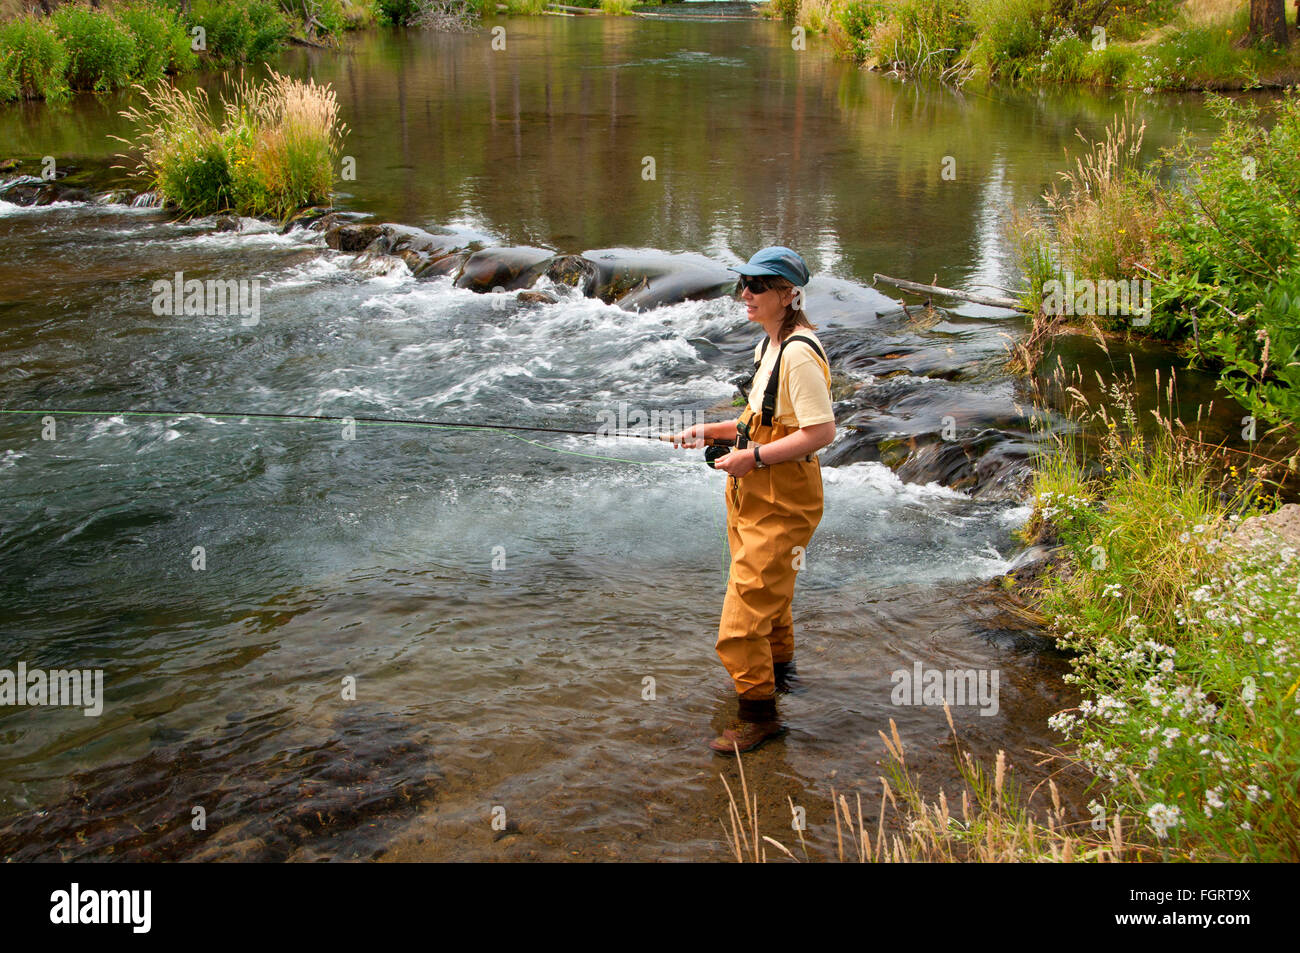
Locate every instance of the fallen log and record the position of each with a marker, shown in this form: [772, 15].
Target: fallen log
[918, 288]
[574, 10]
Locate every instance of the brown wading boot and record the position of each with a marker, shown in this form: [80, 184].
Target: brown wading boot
[758, 722]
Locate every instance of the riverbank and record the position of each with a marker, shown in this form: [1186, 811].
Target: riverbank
[1176, 585]
[81, 48]
[1148, 45]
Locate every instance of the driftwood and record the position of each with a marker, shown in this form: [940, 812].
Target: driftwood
[950, 293]
[577, 10]
[303, 41]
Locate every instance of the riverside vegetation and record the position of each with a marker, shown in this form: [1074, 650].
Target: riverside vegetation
[84, 48]
[79, 47]
[1182, 611]
[1138, 44]
[272, 153]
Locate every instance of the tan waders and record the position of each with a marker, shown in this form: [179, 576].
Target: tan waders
[771, 514]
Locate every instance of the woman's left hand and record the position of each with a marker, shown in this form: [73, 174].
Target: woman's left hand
[737, 463]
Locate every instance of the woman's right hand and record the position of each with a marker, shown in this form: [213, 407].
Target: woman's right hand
[692, 437]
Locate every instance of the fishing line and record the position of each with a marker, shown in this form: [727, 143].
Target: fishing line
[507, 430]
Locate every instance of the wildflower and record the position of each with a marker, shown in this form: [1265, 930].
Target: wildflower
[1163, 817]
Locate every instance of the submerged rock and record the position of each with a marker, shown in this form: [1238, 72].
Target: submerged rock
[503, 269]
[353, 237]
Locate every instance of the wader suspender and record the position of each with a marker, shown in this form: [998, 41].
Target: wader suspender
[774, 381]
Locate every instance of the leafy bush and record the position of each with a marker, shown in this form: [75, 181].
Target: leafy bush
[1062, 61]
[241, 31]
[1184, 653]
[853, 25]
[162, 44]
[32, 60]
[397, 12]
[1231, 259]
[1013, 35]
[102, 51]
[1111, 66]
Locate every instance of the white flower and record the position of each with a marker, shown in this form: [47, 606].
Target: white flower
[1163, 817]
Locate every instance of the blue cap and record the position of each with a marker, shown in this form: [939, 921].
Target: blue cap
[776, 260]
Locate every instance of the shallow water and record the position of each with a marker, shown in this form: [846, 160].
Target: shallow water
[521, 684]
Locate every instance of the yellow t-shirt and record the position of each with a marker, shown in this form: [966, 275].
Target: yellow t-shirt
[804, 397]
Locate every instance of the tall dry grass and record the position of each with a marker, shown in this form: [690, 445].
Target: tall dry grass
[987, 822]
[272, 152]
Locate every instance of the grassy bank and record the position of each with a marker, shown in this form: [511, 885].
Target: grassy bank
[99, 49]
[1185, 626]
[1184, 613]
[1139, 44]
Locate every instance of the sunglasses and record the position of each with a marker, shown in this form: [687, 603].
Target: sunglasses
[755, 284]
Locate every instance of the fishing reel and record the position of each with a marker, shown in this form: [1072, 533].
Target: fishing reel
[716, 452]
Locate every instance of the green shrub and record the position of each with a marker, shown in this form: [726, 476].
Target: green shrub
[1199, 55]
[857, 21]
[1062, 61]
[102, 51]
[240, 31]
[1181, 642]
[1111, 66]
[397, 12]
[924, 37]
[1013, 36]
[1231, 261]
[33, 60]
[162, 45]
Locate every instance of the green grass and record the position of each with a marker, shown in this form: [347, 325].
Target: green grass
[33, 60]
[273, 152]
[1188, 646]
[102, 51]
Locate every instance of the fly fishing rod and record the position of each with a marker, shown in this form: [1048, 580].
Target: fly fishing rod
[715, 448]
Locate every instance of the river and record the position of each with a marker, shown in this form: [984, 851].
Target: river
[527, 624]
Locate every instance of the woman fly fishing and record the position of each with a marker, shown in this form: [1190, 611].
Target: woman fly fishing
[773, 492]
